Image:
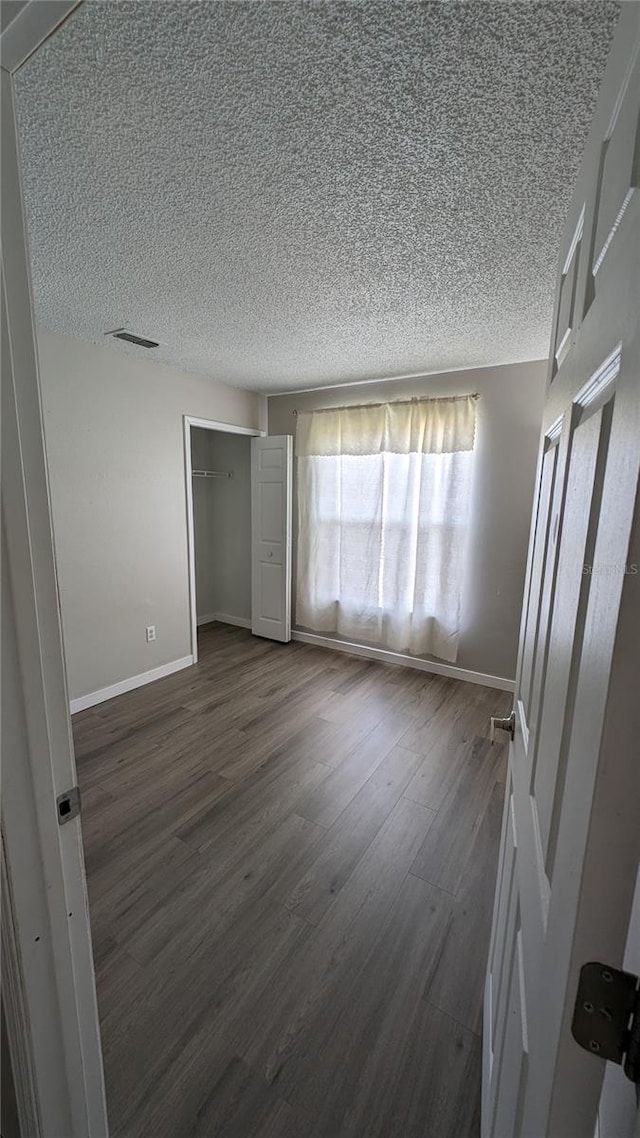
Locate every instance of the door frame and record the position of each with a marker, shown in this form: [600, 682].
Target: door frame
[189, 421]
[53, 983]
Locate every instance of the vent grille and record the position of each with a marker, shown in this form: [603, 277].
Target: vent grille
[132, 338]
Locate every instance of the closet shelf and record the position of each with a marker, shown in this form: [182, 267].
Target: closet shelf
[212, 473]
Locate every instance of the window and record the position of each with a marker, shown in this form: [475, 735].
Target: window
[383, 509]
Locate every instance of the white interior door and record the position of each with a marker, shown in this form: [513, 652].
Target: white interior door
[271, 478]
[571, 830]
[52, 1014]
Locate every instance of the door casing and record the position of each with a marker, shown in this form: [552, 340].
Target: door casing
[190, 421]
[53, 965]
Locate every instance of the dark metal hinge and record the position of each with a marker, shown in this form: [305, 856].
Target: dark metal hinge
[68, 805]
[606, 1016]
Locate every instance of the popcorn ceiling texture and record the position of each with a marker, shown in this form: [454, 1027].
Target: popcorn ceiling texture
[292, 194]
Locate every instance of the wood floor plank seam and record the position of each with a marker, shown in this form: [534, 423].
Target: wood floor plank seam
[461, 1026]
[435, 885]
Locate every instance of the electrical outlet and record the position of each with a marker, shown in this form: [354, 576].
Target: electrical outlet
[150, 632]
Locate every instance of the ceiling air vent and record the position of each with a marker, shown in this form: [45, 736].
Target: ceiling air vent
[133, 338]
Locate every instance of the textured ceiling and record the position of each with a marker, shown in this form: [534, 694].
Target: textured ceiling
[291, 194]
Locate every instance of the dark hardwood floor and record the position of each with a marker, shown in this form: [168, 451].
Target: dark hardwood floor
[291, 858]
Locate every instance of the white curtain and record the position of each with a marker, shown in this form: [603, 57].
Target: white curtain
[383, 511]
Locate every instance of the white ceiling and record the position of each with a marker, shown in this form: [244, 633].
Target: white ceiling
[292, 194]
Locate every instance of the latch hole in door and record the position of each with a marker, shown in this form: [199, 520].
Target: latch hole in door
[68, 805]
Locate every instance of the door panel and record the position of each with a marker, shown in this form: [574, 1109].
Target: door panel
[512, 1076]
[545, 496]
[509, 1023]
[270, 514]
[271, 462]
[566, 630]
[571, 839]
[545, 589]
[505, 933]
[271, 599]
[567, 314]
[620, 167]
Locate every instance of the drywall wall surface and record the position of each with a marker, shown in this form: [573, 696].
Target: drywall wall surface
[222, 524]
[203, 535]
[508, 430]
[232, 526]
[115, 452]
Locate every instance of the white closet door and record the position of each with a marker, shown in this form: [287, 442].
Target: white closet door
[271, 476]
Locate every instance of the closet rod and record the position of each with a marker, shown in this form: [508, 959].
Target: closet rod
[212, 473]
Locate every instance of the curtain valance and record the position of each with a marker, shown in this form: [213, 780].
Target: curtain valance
[419, 426]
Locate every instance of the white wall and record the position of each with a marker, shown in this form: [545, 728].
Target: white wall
[114, 438]
[222, 524]
[203, 537]
[509, 419]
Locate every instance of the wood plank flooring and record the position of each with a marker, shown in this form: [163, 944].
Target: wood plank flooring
[291, 858]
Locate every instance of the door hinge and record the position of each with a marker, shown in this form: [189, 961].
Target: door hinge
[68, 805]
[606, 1016]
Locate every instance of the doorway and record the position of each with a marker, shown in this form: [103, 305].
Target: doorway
[218, 486]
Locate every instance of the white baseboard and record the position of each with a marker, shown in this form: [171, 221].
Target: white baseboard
[226, 618]
[387, 657]
[208, 618]
[123, 686]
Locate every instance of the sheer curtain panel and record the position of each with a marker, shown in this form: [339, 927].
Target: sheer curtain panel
[383, 511]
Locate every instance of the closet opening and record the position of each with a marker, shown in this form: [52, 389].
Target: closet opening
[218, 482]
